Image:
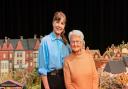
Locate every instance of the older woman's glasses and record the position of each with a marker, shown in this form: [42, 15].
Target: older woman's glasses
[75, 42]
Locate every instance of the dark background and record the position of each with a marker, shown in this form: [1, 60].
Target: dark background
[103, 22]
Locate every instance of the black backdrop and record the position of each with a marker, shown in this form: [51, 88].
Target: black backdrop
[104, 22]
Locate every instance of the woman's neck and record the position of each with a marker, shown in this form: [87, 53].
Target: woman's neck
[78, 52]
[57, 35]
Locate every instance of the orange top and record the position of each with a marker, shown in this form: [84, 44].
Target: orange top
[80, 72]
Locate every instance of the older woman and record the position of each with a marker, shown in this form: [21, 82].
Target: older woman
[79, 68]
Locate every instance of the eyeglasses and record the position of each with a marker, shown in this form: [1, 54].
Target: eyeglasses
[75, 42]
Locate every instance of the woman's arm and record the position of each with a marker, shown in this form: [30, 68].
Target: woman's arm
[67, 76]
[42, 63]
[95, 76]
[45, 82]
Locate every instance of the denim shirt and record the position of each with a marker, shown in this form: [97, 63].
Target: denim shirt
[52, 52]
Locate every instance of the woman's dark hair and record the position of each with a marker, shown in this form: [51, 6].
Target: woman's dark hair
[64, 38]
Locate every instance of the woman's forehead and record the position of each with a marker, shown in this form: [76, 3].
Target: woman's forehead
[75, 37]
